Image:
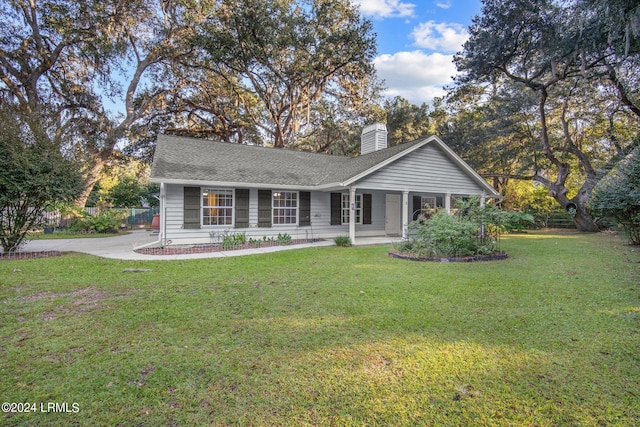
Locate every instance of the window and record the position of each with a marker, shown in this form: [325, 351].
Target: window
[217, 207]
[285, 207]
[346, 208]
[428, 203]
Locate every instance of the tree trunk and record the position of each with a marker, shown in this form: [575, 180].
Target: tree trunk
[577, 206]
[90, 181]
[581, 216]
[100, 157]
[577, 209]
[583, 219]
[278, 136]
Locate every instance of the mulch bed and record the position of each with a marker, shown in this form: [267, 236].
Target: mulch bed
[491, 257]
[208, 247]
[10, 256]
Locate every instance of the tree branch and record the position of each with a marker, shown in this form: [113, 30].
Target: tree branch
[573, 148]
[613, 76]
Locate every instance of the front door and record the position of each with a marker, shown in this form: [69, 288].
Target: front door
[392, 223]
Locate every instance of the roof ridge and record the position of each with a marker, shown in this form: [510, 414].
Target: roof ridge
[234, 144]
[404, 145]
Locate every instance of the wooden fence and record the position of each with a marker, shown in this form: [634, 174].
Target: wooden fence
[555, 220]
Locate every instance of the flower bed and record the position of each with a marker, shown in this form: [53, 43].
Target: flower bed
[210, 247]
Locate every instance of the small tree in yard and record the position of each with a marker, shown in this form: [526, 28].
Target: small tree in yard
[129, 193]
[618, 196]
[34, 176]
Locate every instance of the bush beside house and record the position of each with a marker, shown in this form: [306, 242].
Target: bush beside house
[617, 196]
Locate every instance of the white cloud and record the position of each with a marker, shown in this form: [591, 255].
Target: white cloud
[416, 76]
[447, 37]
[386, 8]
[446, 4]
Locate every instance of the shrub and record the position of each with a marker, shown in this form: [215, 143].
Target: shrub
[255, 242]
[103, 222]
[473, 230]
[413, 246]
[34, 176]
[343, 241]
[284, 239]
[445, 235]
[516, 221]
[617, 196]
[233, 240]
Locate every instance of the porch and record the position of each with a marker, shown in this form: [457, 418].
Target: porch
[376, 240]
[393, 211]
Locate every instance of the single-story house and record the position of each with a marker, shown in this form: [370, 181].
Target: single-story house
[209, 188]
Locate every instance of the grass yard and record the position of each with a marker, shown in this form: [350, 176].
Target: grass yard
[38, 235]
[328, 336]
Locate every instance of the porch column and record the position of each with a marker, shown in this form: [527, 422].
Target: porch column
[405, 213]
[162, 210]
[352, 215]
[483, 202]
[447, 202]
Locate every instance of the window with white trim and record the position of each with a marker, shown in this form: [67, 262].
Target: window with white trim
[346, 208]
[285, 207]
[428, 203]
[217, 207]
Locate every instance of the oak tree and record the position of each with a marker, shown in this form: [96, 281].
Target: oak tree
[292, 55]
[557, 53]
[103, 71]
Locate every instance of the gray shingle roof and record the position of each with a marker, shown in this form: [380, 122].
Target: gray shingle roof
[193, 159]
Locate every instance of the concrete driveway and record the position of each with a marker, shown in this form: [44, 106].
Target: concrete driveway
[122, 247]
[117, 247]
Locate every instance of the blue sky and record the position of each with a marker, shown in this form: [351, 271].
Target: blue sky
[416, 43]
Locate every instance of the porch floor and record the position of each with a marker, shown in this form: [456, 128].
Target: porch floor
[376, 240]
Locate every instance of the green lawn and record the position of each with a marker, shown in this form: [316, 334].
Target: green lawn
[329, 336]
[69, 235]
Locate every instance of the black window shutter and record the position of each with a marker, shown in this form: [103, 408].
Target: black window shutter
[192, 207]
[336, 208]
[305, 208]
[242, 208]
[417, 201]
[264, 208]
[439, 202]
[366, 208]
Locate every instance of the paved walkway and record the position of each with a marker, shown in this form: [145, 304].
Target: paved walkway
[122, 247]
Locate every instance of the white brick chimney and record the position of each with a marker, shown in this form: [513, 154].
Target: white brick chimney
[373, 138]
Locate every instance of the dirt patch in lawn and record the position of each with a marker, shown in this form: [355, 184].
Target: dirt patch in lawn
[79, 301]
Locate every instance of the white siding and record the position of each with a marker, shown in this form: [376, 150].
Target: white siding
[426, 170]
[320, 220]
